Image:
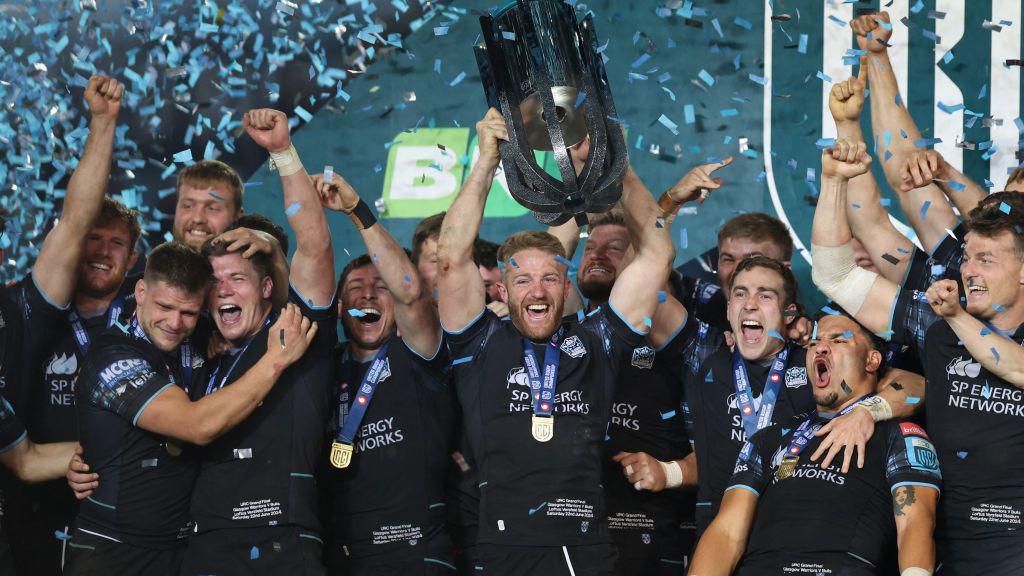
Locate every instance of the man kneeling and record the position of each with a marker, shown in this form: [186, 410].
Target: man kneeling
[802, 518]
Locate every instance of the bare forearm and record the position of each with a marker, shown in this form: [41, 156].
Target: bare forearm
[644, 219]
[904, 391]
[568, 235]
[688, 466]
[395, 269]
[916, 547]
[462, 221]
[998, 354]
[717, 553]
[830, 227]
[226, 408]
[43, 462]
[307, 219]
[961, 190]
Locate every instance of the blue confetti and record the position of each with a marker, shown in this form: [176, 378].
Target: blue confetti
[728, 112]
[641, 60]
[1004, 207]
[746, 25]
[647, 321]
[924, 208]
[667, 123]
[356, 313]
[293, 209]
[707, 78]
[184, 156]
[688, 115]
[455, 81]
[564, 262]
[462, 360]
[823, 76]
[512, 261]
[949, 109]
[758, 79]
[996, 354]
[913, 400]
[538, 508]
[668, 415]
[508, 35]
[683, 240]
[775, 334]
[961, 454]
[254, 553]
[802, 44]
[662, 296]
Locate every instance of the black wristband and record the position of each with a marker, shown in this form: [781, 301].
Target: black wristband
[362, 215]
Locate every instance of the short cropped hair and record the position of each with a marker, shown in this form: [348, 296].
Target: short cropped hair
[1016, 176]
[353, 264]
[180, 266]
[261, 261]
[114, 213]
[991, 218]
[759, 227]
[529, 239]
[789, 283]
[429, 227]
[485, 253]
[208, 172]
[877, 342]
[261, 223]
[613, 217]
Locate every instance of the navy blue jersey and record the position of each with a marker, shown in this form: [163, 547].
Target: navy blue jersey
[11, 430]
[146, 478]
[261, 473]
[391, 499]
[540, 493]
[822, 520]
[942, 263]
[706, 301]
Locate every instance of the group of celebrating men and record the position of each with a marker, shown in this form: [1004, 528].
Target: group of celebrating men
[486, 415]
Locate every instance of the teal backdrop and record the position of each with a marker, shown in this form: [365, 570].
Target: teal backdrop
[728, 79]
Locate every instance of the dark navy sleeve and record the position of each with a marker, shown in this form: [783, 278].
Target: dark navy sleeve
[942, 264]
[124, 382]
[439, 362]
[11, 430]
[911, 457]
[910, 318]
[326, 318]
[695, 342]
[618, 336]
[751, 471]
[465, 344]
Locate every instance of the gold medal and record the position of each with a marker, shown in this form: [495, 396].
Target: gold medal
[786, 469]
[543, 428]
[341, 454]
[173, 447]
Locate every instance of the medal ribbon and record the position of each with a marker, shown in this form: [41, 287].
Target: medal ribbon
[802, 436]
[347, 432]
[185, 353]
[542, 390]
[754, 421]
[82, 335]
[212, 386]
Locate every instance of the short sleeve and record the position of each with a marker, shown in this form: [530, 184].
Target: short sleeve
[439, 362]
[619, 336]
[125, 383]
[326, 318]
[942, 264]
[910, 318]
[691, 346]
[466, 343]
[750, 472]
[911, 459]
[11, 430]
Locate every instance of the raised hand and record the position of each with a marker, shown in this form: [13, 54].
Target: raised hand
[290, 336]
[921, 168]
[252, 241]
[846, 100]
[845, 160]
[691, 186]
[268, 128]
[873, 31]
[489, 131]
[337, 195]
[103, 95]
[944, 297]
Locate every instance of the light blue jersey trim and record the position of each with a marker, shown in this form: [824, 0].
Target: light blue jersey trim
[743, 487]
[864, 560]
[466, 327]
[441, 562]
[679, 329]
[437, 351]
[309, 302]
[311, 537]
[63, 308]
[15, 443]
[98, 503]
[135, 420]
[924, 484]
[624, 321]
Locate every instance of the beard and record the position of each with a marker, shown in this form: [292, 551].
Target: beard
[532, 332]
[95, 288]
[598, 290]
[829, 400]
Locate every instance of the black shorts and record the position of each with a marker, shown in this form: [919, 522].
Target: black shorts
[89, 555]
[272, 550]
[6, 559]
[594, 560]
[1003, 556]
[659, 554]
[376, 566]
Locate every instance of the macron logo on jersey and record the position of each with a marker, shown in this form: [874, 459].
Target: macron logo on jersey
[960, 367]
[62, 365]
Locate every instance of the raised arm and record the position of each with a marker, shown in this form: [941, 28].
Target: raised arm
[635, 293]
[866, 295]
[890, 121]
[696, 184]
[56, 269]
[33, 462]
[869, 220]
[312, 270]
[914, 509]
[172, 414]
[414, 308]
[722, 544]
[928, 167]
[460, 289]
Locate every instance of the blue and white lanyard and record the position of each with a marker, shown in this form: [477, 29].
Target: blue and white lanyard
[755, 420]
[347, 432]
[542, 389]
[212, 386]
[82, 335]
[802, 436]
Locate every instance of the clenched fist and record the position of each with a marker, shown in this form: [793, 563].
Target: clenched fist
[944, 297]
[268, 128]
[873, 31]
[846, 99]
[103, 95]
[845, 159]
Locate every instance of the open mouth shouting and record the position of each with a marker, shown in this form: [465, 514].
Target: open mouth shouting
[598, 270]
[822, 373]
[537, 312]
[975, 292]
[369, 315]
[229, 314]
[753, 331]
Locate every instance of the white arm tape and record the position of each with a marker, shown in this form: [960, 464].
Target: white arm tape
[878, 407]
[673, 474]
[286, 161]
[835, 272]
[915, 571]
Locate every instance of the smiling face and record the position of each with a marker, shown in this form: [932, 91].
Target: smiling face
[535, 289]
[732, 251]
[602, 256]
[166, 313]
[992, 273]
[240, 297]
[492, 280]
[842, 363]
[107, 257]
[203, 211]
[364, 290]
[756, 312]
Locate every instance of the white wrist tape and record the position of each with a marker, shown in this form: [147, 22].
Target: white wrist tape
[673, 474]
[878, 407]
[915, 571]
[835, 272]
[286, 161]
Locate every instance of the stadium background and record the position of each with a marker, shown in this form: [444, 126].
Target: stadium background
[373, 87]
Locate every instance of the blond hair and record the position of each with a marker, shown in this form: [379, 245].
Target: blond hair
[530, 239]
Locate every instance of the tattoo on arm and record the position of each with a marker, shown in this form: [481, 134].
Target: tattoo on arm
[903, 498]
[896, 386]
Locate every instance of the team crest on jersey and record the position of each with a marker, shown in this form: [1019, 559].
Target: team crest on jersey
[645, 538]
[385, 372]
[573, 347]
[197, 361]
[708, 292]
[796, 377]
[584, 526]
[643, 357]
